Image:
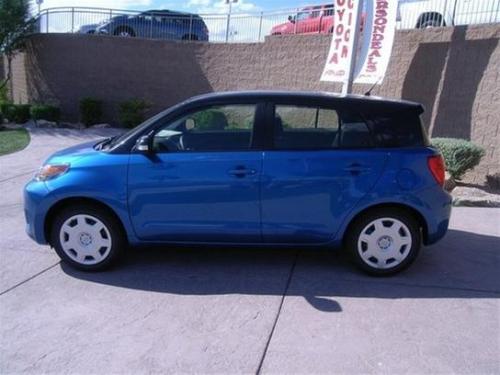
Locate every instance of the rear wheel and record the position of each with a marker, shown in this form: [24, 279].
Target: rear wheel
[384, 241]
[88, 238]
[124, 31]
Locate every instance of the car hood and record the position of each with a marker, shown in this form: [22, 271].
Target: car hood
[73, 153]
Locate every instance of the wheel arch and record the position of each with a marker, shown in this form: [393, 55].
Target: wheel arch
[399, 206]
[66, 202]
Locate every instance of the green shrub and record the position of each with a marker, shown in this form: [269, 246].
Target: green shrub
[460, 155]
[45, 112]
[4, 95]
[90, 111]
[133, 112]
[18, 113]
[5, 108]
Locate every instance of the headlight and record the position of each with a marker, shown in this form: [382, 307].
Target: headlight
[50, 171]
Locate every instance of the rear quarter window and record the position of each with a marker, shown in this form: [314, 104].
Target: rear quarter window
[400, 129]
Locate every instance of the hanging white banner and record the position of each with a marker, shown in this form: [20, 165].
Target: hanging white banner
[341, 48]
[378, 37]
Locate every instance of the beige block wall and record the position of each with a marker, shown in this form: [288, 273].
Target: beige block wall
[454, 72]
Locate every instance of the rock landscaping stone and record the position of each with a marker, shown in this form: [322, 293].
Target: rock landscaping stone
[474, 197]
[493, 181]
[100, 126]
[44, 124]
[449, 182]
[71, 125]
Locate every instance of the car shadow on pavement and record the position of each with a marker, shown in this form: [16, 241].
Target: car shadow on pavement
[462, 265]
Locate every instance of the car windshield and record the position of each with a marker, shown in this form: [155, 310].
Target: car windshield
[137, 130]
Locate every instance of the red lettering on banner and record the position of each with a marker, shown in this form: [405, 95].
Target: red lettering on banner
[347, 35]
[378, 35]
[342, 32]
[341, 14]
[345, 52]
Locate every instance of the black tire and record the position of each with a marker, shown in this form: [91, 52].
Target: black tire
[359, 227]
[190, 37]
[114, 231]
[430, 22]
[124, 29]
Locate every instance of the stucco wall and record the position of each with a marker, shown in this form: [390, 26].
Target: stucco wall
[454, 72]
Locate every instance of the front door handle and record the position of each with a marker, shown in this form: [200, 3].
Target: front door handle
[241, 171]
[357, 168]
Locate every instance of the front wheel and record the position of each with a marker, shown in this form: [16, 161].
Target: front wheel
[384, 242]
[88, 238]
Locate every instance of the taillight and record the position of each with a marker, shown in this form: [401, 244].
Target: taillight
[437, 167]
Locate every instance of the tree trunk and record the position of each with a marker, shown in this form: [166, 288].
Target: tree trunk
[9, 72]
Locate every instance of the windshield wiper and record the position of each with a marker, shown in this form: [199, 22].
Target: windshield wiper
[105, 142]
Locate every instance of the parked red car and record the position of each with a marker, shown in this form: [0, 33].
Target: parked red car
[313, 19]
[310, 20]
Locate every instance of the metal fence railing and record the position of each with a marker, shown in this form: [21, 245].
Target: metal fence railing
[252, 27]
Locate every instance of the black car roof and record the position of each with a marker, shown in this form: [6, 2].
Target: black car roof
[166, 12]
[368, 103]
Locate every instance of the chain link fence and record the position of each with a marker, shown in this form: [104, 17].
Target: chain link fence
[253, 27]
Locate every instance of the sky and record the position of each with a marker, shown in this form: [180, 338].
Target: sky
[195, 6]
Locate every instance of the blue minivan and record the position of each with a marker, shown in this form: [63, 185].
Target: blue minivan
[157, 24]
[259, 168]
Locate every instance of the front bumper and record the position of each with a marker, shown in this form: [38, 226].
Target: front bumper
[37, 201]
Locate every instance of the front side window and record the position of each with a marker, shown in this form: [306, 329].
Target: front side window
[304, 14]
[216, 128]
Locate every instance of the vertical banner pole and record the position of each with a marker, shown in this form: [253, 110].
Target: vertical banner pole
[347, 85]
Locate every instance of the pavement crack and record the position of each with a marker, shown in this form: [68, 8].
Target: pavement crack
[16, 176]
[285, 292]
[28, 279]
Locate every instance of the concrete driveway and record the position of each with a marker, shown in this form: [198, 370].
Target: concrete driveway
[169, 310]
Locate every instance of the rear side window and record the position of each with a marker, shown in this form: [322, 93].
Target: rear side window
[316, 128]
[400, 129]
[304, 128]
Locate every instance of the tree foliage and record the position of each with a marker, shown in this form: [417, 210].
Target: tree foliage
[16, 24]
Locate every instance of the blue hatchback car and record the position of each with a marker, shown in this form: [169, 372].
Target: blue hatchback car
[250, 168]
[157, 24]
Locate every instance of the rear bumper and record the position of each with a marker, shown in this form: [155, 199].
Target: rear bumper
[436, 211]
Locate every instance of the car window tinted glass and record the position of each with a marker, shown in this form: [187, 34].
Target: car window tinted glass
[328, 10]
[355, 134]
[218, 128]
[303, 15]
[305, 127]
[401, 129]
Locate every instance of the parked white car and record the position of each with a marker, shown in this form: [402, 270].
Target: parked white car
[432, 13]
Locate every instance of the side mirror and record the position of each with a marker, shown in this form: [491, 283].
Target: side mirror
[144, 144]
[291, 19]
